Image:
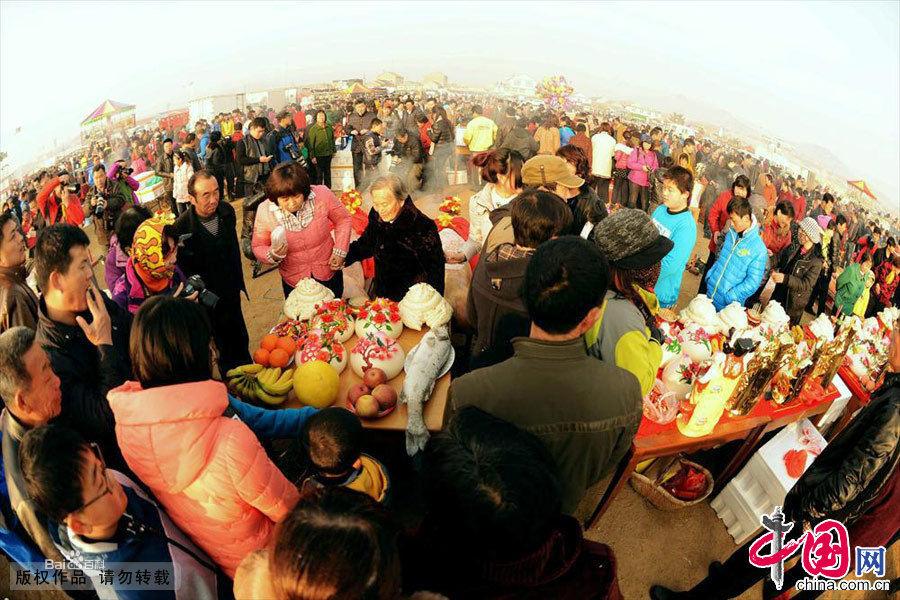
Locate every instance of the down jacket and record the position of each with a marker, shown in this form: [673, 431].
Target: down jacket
[210, 472]
[739, 269]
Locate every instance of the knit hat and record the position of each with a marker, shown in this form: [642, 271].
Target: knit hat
[630, 240]
[812, 229]
[546, 170]
[646, 138]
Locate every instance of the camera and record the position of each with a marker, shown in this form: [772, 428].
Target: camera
[204, 296]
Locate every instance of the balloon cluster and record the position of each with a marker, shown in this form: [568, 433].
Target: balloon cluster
[556, 93]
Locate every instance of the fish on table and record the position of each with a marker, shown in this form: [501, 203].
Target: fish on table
[423, 365]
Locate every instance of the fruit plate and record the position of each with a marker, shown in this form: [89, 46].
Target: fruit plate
[382, 413]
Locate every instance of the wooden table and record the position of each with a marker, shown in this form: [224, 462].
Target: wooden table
[668, 441]
[435, 408]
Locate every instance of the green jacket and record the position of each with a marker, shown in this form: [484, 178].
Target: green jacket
[320, 140]
[585, 411]
[850, 286]
[621, 337]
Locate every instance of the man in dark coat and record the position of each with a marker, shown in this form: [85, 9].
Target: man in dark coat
[210, 249]
[855, 480]
[84, 333]
[358, 125]
[403, 241]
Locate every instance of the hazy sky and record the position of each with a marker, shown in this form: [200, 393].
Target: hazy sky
[824, 72]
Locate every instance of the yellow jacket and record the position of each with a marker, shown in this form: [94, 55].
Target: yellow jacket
[621, 336]
[859, 309]
[480, 134]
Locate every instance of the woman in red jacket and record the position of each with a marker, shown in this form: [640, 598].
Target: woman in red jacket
[718, 220]
[57, 203]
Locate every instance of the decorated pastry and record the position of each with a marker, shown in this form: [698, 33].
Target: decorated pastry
[291, 328]
[700, 312]
[422, 304]
[775, 316]
[318, 345]
[733, 316]
[335, 318]
[695, 341]
[379, 351]
[678, 376]
[301, 302]
[822, 328]
[379, 315]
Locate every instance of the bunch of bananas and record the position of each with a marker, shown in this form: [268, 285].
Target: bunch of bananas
[255, 382]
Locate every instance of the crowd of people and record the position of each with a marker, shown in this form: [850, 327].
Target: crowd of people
[120, 441]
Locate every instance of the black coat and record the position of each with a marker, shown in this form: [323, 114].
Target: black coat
[801, 271]
[87, 373]
[586, 206]
[521, 141]
[406, 251]
[217, 259]
[854, 467]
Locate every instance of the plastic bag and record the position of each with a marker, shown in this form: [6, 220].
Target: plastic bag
[660, 405]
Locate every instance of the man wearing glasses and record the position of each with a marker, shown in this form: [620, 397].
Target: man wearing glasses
[101, 521]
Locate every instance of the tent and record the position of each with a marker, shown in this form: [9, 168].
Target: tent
[357, 89]
[109, 112]
[861, 186]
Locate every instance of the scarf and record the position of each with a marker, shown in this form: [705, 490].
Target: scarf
[147, 254]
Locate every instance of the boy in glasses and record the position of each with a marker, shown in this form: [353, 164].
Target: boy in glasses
[101, 521]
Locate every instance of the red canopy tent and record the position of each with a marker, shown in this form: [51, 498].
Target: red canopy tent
[861, 186]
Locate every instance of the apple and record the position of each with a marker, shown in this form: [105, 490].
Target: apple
[374, 377]
[367, 406]
[386, 396]
[353, 394]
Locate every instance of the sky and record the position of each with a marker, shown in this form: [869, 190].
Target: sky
[826, 73]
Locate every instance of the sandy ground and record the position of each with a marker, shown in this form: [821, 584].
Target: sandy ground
[651, 546]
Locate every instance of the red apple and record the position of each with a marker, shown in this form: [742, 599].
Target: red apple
[353, 394]
[374, 377]
[386, 396]
[367, 406]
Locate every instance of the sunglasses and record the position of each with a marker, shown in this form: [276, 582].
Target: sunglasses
[106, 487]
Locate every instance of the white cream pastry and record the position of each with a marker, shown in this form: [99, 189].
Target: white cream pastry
[775, 316]
[733, 316]
[301, 302]
[700, 312]
[422, 304]
[319, 345]
[822, 328]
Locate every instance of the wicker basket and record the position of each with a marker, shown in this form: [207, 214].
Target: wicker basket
[648, 484]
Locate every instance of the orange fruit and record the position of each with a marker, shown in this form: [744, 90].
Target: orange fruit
[261, 357]
[279, 358]
[287, 344]
[269, 342]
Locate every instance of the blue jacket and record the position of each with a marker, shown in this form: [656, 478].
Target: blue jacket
[204, 142]
[281, 143]
[270, 424]
[682, 230]
[738, 271]
[149, 552]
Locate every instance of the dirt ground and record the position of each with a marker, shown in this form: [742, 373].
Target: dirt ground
[651, 546]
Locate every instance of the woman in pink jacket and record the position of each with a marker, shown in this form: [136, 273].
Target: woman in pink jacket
[208, 470]
[641, 163]
[293, 230]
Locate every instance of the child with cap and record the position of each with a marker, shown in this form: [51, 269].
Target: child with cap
[795, 277]
[626, 333]
[332, 440]
[675, 221]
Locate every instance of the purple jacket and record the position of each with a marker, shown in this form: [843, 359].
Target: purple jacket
[636, 161]
[129, 292]
[115, 263]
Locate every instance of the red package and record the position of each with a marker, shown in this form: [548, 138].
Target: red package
[795, 462]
